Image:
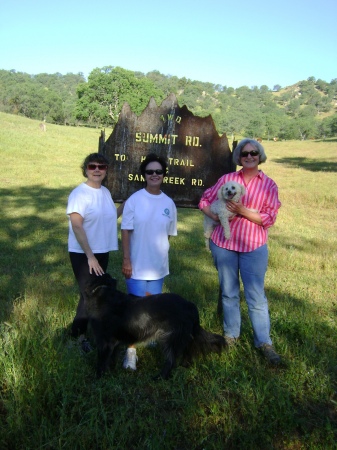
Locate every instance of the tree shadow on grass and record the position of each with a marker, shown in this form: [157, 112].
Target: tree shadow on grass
[326, 140]
[237, 401]
[312, 165]
[33, 239]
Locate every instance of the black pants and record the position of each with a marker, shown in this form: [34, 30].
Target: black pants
[79, 263]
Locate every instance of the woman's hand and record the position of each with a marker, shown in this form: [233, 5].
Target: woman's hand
[235, 207]
[127, 268]
[239, 209]
[94, 266]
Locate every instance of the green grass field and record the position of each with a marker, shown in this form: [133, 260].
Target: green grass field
[49, 397]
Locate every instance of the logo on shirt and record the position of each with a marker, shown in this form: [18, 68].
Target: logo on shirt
[166, 212]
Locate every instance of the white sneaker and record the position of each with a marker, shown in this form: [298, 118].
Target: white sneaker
[130, 359]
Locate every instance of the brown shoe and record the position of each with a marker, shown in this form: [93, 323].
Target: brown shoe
[270, 354]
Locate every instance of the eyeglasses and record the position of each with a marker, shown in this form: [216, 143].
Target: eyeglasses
[151, 172]
[251, 153]
[97, 166]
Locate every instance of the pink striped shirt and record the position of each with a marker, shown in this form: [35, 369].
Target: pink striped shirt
[261, 195]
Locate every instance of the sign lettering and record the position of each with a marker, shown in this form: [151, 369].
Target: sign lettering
[195, 153]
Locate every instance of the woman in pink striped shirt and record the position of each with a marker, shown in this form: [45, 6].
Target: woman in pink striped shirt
[245, 253]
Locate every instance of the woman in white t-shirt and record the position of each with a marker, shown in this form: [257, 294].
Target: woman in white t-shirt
[149, 219]
[92, 232]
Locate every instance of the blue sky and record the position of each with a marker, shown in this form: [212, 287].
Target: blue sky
[234, 43]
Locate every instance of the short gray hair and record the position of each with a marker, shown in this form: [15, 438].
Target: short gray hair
[238, 149]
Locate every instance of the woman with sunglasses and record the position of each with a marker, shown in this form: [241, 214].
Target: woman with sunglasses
[92, 232]
[245, 253]
[149, 219]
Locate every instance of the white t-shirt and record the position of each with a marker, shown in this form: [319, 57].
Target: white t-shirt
[152, 218]
[99, 218]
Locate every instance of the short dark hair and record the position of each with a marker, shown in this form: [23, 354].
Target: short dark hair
[151, 157]
[93, 157]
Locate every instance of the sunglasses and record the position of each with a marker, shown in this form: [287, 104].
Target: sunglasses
[97, 166]
[157, 172]
[251, 153]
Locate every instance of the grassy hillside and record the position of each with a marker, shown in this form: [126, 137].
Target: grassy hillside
[49, 398]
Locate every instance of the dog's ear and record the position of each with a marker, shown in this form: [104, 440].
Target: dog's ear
[243, 189]
[113, 284]
[109, 281]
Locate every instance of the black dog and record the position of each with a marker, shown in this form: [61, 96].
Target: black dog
[117, 318]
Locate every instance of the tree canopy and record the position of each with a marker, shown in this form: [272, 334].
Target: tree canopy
[302, 111]
[102, 97]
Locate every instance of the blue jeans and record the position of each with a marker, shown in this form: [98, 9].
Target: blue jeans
[252, 267]
[140, 288]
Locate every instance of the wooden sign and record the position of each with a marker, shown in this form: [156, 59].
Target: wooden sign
[195, 153]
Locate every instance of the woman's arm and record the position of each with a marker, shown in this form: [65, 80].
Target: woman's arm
[126, 265]
[240, 209]
[207, 211]
[209, 197]
[80, 234]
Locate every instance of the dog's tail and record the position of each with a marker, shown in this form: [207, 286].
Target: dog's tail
[205, 342]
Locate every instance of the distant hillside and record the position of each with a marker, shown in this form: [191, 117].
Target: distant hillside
[305, 110]
[310, 92]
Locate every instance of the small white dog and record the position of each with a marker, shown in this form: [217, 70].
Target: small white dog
[229, 191]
